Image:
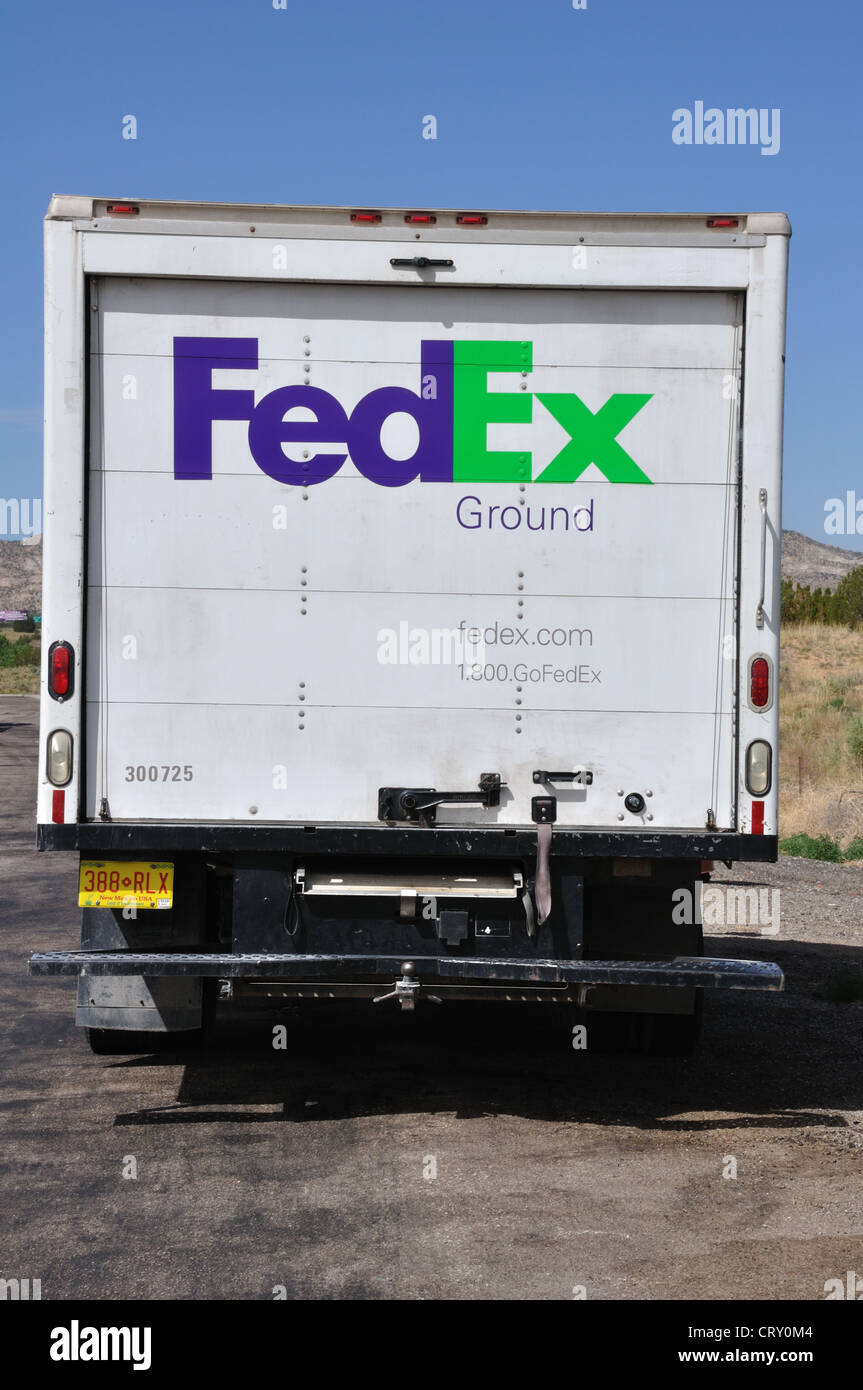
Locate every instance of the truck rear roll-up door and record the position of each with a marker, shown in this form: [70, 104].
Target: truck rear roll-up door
[571, 500]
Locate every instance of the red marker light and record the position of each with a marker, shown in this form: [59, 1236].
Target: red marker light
[61, 670]
[58, 807]
[759, 683]
[426, 217]
[123, 210]
[471, 219]
[61, 674]
[365, 217]
[723, 222]
[758, 818]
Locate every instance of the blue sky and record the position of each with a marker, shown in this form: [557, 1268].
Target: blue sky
[538, 106]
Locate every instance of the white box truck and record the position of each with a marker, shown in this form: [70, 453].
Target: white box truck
[411, 604]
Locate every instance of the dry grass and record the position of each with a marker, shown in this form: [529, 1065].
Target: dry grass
[821, 732]
[19, 680]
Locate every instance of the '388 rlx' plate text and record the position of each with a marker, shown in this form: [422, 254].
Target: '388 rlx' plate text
[113, 883]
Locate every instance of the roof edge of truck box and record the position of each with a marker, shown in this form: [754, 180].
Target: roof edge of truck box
[708, 227]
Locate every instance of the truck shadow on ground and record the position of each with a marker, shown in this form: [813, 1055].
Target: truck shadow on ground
[784, 1061]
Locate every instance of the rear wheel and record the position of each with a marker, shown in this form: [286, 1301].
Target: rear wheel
[669, 1035]
[643, 1035]
[651, 1034]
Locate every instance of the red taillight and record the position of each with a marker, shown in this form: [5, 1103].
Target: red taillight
[471, 219]
[759, 683]
[365, 217]
[58, 807]
[61, 669]
[723, 222]
[758, 818]
[426, 217]
[123, 210]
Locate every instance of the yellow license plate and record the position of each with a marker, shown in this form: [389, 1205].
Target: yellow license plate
[112, 883]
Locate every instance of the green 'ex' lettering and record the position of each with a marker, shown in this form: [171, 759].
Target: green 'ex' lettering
[476, 407]
[592, 438]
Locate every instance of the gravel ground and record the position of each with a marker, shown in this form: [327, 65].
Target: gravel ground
[310, 1168]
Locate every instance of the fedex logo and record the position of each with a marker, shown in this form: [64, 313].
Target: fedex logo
[452, 410]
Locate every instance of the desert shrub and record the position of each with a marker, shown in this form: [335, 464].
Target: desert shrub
[855, 738]
[813, 847]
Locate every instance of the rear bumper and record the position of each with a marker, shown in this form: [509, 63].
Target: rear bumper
[681, 972]
[162, 840]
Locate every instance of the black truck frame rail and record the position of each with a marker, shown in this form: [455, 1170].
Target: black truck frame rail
[102, 838]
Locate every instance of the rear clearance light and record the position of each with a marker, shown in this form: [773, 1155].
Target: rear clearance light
[471, 219]
[426, 218]
[723, 222]
[123, 209]
[759, 760]
[365, 217]
[759, 682]
[61, 671]
[59, 763]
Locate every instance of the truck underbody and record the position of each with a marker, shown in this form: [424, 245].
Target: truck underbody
[453, 920]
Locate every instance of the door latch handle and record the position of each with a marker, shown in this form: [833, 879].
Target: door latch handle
[419, 804]
[418, 262]
[580, 775]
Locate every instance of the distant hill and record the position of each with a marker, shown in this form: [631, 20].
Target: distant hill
[21, 574]
[804, 560]
[814, 563]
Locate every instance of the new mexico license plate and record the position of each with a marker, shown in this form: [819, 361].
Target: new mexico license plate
[109, 883]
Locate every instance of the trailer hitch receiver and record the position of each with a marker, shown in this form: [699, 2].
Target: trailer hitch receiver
[406, 989]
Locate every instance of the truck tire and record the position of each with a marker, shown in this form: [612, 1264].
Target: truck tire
[114, 1042]
[649, 1035]
[669, 1035]
[643, 1035]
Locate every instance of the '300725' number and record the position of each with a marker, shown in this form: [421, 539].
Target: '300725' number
[170, 772]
